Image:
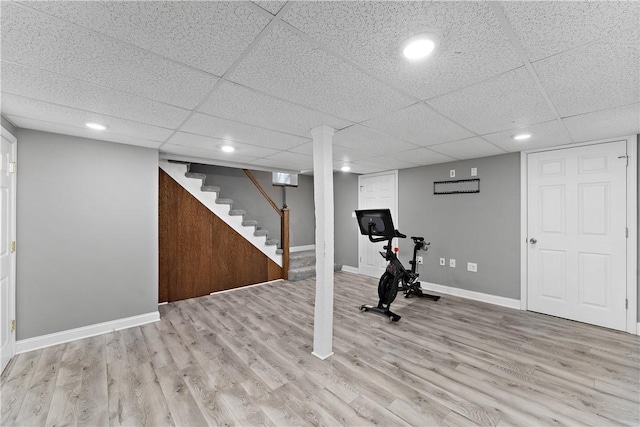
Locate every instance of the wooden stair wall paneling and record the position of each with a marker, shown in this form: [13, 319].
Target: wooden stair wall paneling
[199, 252]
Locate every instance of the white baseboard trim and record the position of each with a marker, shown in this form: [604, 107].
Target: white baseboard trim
[638, 329]
[36, 343]
[245, 287]
[477, 296]
[301, 248]
[350, 269]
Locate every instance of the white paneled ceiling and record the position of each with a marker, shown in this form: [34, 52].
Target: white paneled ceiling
[189, 77]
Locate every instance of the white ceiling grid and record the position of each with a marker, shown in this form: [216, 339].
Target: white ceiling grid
[188, 77]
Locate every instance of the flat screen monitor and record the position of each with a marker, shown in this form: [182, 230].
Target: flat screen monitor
[376, 222]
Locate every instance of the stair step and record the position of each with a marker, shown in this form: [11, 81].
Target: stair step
[237, 212]
[260, 233]
[250, 222]
[271, 242]
[195, 175]
[302, 259]
[279, 251]
[211, 188]
[224, 201]
[302, 273]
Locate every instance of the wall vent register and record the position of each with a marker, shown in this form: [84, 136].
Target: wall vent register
[460, 186]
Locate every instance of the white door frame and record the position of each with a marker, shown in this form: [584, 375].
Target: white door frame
[395, 203]
[12, 231]
[632, 224]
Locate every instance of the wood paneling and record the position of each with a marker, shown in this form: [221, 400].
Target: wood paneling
[200, 253]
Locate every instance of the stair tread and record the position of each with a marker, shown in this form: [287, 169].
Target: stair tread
[250, 222]
[271, 242]
[211, 188]
[302, 254]
[224, 201]
[195, 175]
[305, 268]
[260, 233]
[237, 212]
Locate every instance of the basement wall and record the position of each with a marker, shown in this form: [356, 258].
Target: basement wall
[483, 228]
[87, 232]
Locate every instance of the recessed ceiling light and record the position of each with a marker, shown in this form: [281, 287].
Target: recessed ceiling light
[521, 136]
[228, 148]
[419, 46]
[345, 168]
[95, 126]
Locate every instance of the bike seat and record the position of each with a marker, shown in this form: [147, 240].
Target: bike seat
[417, 239]
[400, 235]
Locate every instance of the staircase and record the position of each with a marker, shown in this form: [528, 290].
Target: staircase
[195, 184]
[302, 265]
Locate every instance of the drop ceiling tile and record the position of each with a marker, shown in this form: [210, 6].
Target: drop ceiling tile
[363, 169]
[33, 39]
[45, 112]
[204, 153]
[365, 140]
[385, 163]
[470, 148]
[614, 122]
[285, 65]
[507, 101]
[216, 127]
[63, 129]
[546, 28]
[595, 77]
[240, 103]
[215, 144]
[62, 90]
[548, 134]
[422, 156]
[286, 160]
[271, 6]
[340, 154]
[473, 45]
[208, 35]
[420, 125]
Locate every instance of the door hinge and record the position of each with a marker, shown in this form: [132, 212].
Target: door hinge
[626, 304]
[627, 233]
[13, 167]
[13, 246]
[13, 326]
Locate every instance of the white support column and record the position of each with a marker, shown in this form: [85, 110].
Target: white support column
[323, 197]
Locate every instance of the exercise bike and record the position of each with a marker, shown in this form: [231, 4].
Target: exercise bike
[378, 226]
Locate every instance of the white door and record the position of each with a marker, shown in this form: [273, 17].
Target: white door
[376, 191]
[7, 256]
[577, 233]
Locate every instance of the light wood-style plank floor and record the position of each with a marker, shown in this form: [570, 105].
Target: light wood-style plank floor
[244, 358]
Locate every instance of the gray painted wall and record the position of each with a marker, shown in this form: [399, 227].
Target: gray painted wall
[345, 193]
[7, 125]
[638, 229]
[87, 232]
[234, 184]
[483, 228]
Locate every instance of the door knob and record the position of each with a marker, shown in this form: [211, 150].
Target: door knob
[533, 241]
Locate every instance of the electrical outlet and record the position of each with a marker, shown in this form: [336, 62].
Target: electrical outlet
[420, 260]
[452, 263]
[472, 266]
[442, 261]
[474, 171]
[452, 173]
